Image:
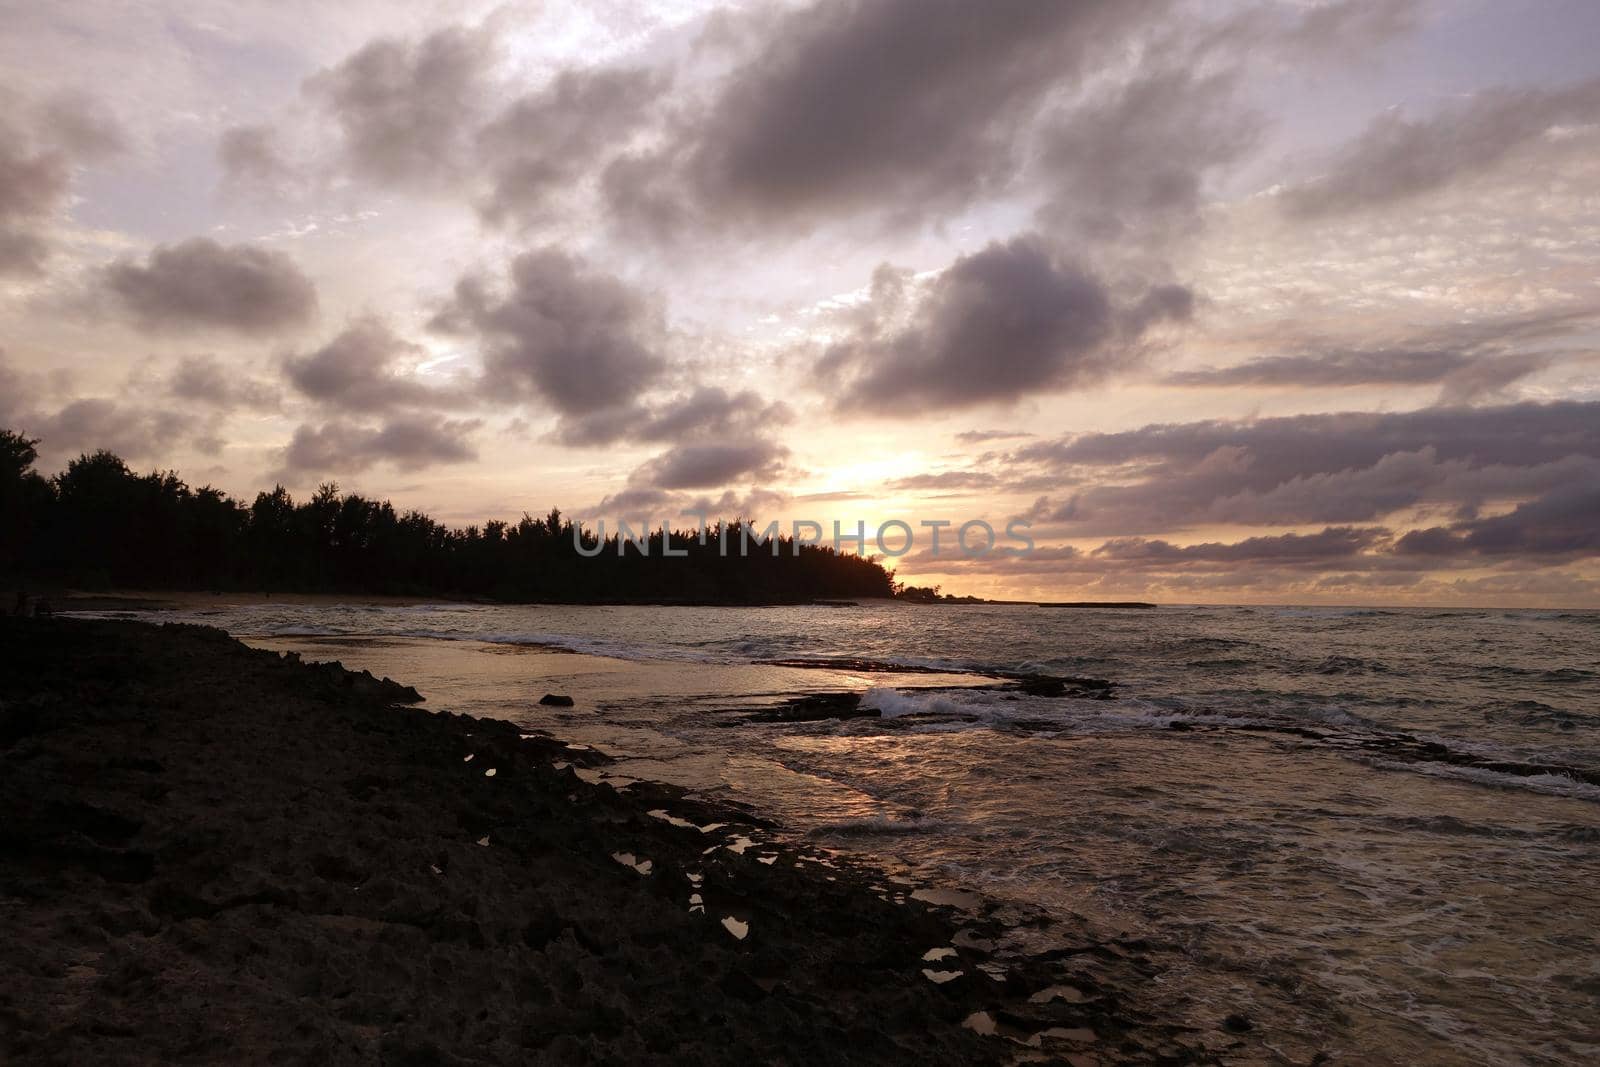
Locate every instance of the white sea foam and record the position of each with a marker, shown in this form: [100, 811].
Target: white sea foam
[894, 703]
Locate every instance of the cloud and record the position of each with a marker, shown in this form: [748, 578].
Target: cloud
[978, 437]
[32, 404]
[438, 115]
[707, 412]
[712, 465]
[901, 107]
[1338, 468]
[945, 480]
[200, 284]
[1001, 324]
[1490, 376]
[1280, 561]
[1299, 444]
[1351, 26]
[1470, 360]
[360, 370]
[131, 431]
[82, 126]
[578, 339]
[1396, 159]
[407, 110]
[1332, 543]
[548, 140]
[1131, 162]
[1464, 377]
[641, 499]
[41, 142]
[407, 442]
[1343, 368]
[208, 381]
[17, 394]
[1564, 522]
[252, 161]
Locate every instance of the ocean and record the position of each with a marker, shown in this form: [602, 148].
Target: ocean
[1373, 833]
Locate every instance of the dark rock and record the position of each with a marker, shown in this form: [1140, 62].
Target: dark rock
[817, 707]
[1238, 1024]
[556, 700]
[1046, 685]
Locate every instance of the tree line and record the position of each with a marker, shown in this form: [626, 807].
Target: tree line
[97, 524]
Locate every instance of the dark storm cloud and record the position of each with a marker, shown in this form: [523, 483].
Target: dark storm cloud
[908, 105]
[408, 442]
[1397, 158]
[209, 381]
[581, 340]
[407, 110]
[200, 284]
[359, 370]
[1005, 323]
[1564, 522]
[709, 411]
[549, 139]
[40, 143]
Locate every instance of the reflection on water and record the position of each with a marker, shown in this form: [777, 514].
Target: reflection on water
[1227, 809]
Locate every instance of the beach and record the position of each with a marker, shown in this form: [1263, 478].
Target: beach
[1363, 832]
[219, 853]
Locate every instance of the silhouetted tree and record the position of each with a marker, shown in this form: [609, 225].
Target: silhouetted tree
[98, 523]
[26, 501]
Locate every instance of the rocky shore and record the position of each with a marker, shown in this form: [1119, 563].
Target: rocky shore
[212, 853]
[216, 854]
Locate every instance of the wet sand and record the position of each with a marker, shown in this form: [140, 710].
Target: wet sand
[216, 853]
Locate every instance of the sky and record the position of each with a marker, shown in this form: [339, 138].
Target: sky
[1277, 301]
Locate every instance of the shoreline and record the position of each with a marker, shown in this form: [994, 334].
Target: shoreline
[75, 600]
[331, 872]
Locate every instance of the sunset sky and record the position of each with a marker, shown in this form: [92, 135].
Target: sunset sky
[1291, 301]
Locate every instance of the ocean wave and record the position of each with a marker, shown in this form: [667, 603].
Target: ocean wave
[879, 824]
[1535, 713]
[894, 704]
[1332, 613]
[1351, 665]
[1554, 785]
[1451, 826]
[1553, 675]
